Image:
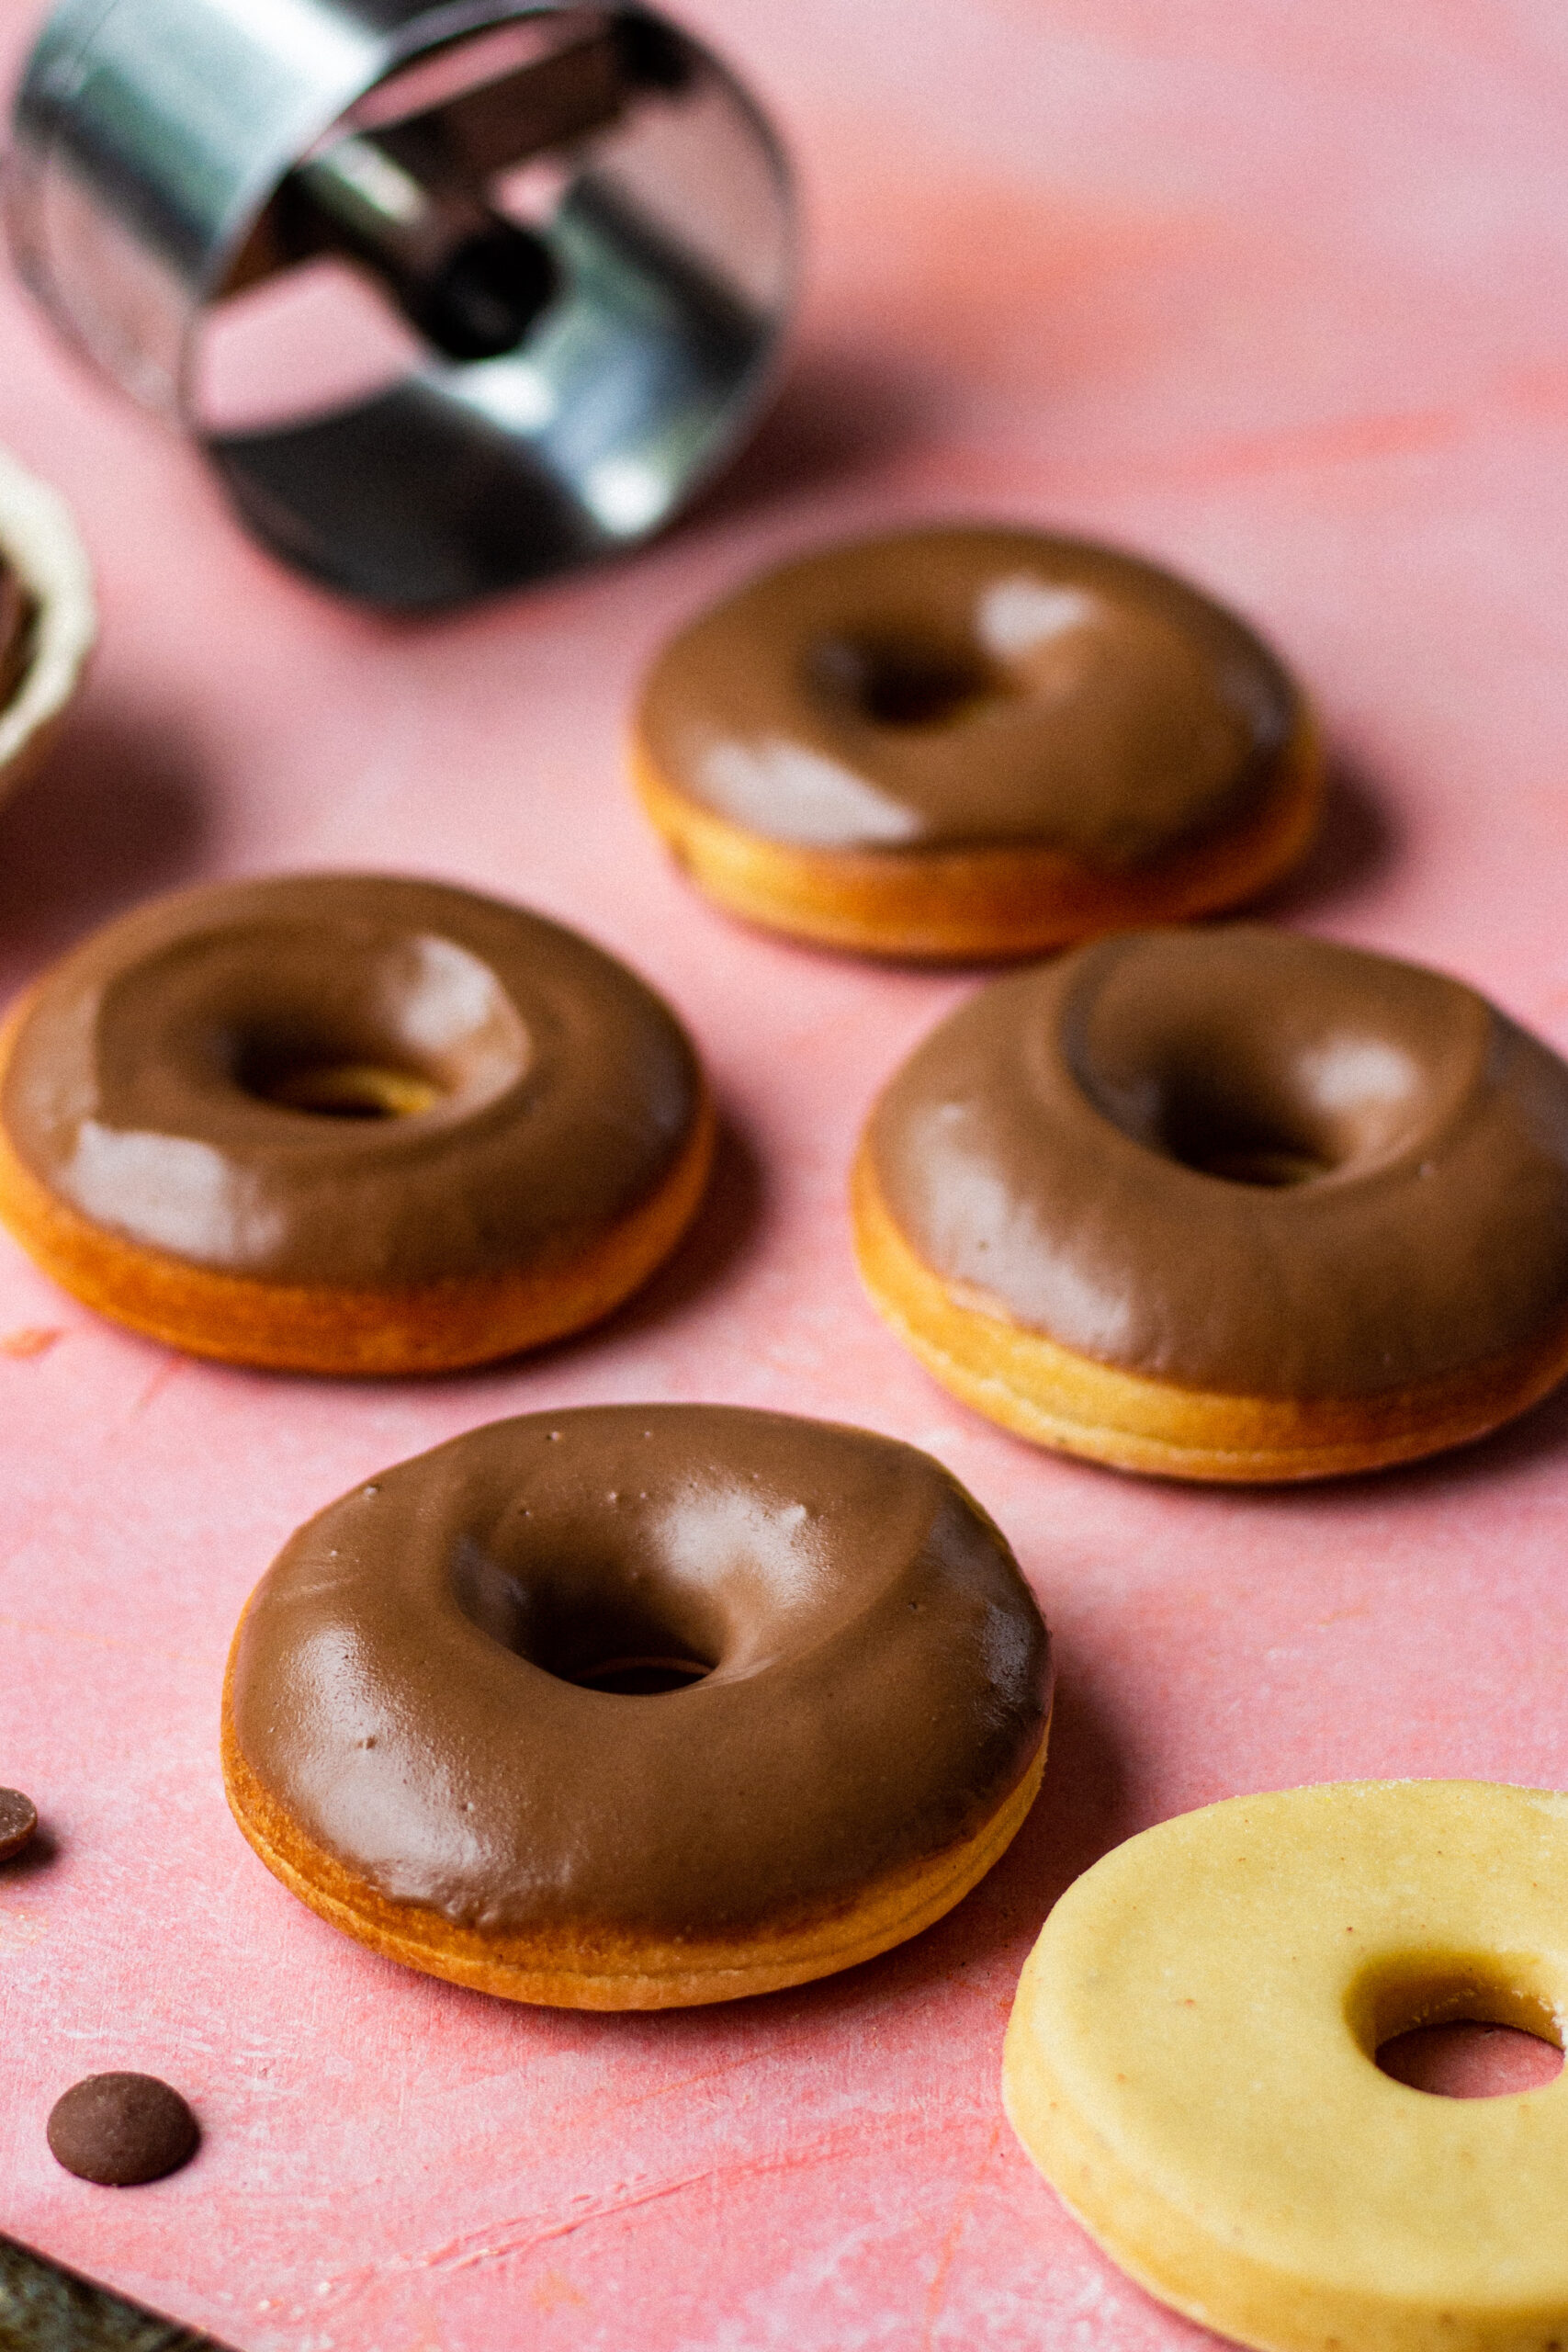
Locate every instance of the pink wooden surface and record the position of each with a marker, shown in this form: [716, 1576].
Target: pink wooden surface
[1276, 291]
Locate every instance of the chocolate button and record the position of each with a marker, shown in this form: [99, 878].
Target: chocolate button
[119, 2130]
[18, 1819]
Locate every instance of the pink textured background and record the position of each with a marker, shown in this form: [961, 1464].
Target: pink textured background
[1273, 290]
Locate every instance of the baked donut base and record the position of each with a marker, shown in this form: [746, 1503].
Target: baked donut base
[291, 1326]
[1069, 1402]
[991, 900]
[571, 1967]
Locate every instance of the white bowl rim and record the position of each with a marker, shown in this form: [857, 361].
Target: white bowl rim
[40, 542]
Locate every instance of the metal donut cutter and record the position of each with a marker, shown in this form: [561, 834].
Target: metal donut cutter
[453, 294]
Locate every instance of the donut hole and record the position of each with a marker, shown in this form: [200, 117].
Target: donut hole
[601, 1628]
[400, 1029]
[1260, 1060]
[1230, 1133]
[899, 680]
[1253, 1109]
[344, 1089]
[1248, 1111]
[1470, 2058]
[640, 1678]
[1468, 2030]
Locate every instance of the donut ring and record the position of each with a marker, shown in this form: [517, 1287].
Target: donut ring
[47, 617]
[1191, 2064]
[974, 742]
[638, 1706]
[347, 1124]
[1229, 1204]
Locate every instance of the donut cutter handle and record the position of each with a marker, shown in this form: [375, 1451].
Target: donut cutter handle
[574, 224]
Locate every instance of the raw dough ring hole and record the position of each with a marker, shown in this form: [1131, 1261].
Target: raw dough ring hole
[1477, 2028]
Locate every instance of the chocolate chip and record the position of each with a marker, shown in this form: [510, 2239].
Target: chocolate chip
[18, 1819]
[122, 2128]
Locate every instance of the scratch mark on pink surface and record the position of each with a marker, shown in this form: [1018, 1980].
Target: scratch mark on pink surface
[504, 2250]
[1349, 440]
[955, 2229]
[33, 1340]
[169, 1370]
[498, 2246]
[782, 2047]
[617, 2102]
[1335, 441]
[1539, 391]
[1352, 440]
[103, 1436]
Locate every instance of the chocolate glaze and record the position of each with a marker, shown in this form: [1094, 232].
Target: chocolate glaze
[140, 1085]
[1049, 1151]
[879, 1672]
[974, 686]
[16, 631]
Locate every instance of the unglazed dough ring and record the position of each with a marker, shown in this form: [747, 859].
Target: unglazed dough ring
[1226, 1204]
[42, 668]
[1191, 2064]
[638, 1706]
[348, 1124]
[972, 742]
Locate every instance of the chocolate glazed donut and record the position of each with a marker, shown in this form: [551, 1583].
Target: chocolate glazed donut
[1227, 1204]
[639, 1706]
[347, 1123]
[974, 741]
